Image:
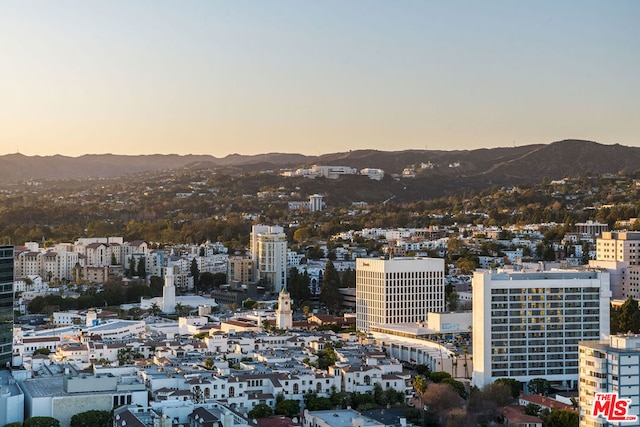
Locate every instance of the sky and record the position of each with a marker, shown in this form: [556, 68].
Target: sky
[314, 77]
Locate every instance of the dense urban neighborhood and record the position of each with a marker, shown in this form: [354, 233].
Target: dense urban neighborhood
[317, 297]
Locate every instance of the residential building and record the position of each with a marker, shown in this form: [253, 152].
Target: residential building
[240, 270]
[399, 290]
[528, 325]
[618, 252]
[63, 396]
[6, 305]
[609, 366]
[269, 255]
[338, 418]
[592, 228]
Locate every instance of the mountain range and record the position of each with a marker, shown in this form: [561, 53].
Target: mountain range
[529, 163]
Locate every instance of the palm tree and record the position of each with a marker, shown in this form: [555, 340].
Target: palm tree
[155, 309]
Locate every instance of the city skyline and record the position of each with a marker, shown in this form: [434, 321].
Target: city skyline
[237, 77]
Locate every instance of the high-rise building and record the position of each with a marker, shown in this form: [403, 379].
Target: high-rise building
[6, 305]
[269, 255]
[528, 325]
[398, 290]
[618, 252]
[610, 366]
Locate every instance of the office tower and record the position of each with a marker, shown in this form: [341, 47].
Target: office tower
[528, 325]
[609, 366]
[6, 305]
[269, 255]
[399, 290]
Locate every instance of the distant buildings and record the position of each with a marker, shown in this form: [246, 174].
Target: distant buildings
[528, 325]
[399, 290]
[335, 172]
[315, 203]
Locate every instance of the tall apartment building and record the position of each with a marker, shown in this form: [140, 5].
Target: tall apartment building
[528, 325]
[611, 366]
[398, 290]
[618, 252]
[240, 269]
[269, 255]
[6, 305]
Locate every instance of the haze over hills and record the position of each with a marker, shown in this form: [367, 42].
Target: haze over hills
[499, 165]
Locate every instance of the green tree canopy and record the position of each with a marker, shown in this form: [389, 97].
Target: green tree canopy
[92, 418]
[261, 410]
[539, 386]
[288, 407]
[329, 294]
[513, 384]
[562, 418]
[41, 422]
[626, 318]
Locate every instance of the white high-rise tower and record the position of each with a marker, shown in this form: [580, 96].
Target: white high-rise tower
[169, 292]
[284, 315]
[269, 255]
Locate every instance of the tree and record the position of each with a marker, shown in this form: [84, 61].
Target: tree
[41, 422]
[155, 309]
[261, 410]
[91, 418]
[440, 399]
[132, 267]
[208, 363]
[532, 409]
[420, 384]
[298, 286]
[329, 294]
[513, 384]
[42, 350]
[457, 385]
[195, 273]
[182, 310]
[539, 386]
[113, 259]
[452, 301]
[288, 407]
[627, 317]
[438, 376]
[249, 304]
[142, 268]
[562, 418]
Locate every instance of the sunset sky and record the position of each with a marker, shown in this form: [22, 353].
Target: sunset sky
[313, 77]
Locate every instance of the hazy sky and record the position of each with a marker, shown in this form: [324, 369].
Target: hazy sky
[221, 77]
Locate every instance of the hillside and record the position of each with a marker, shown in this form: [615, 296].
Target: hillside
[504, 165]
